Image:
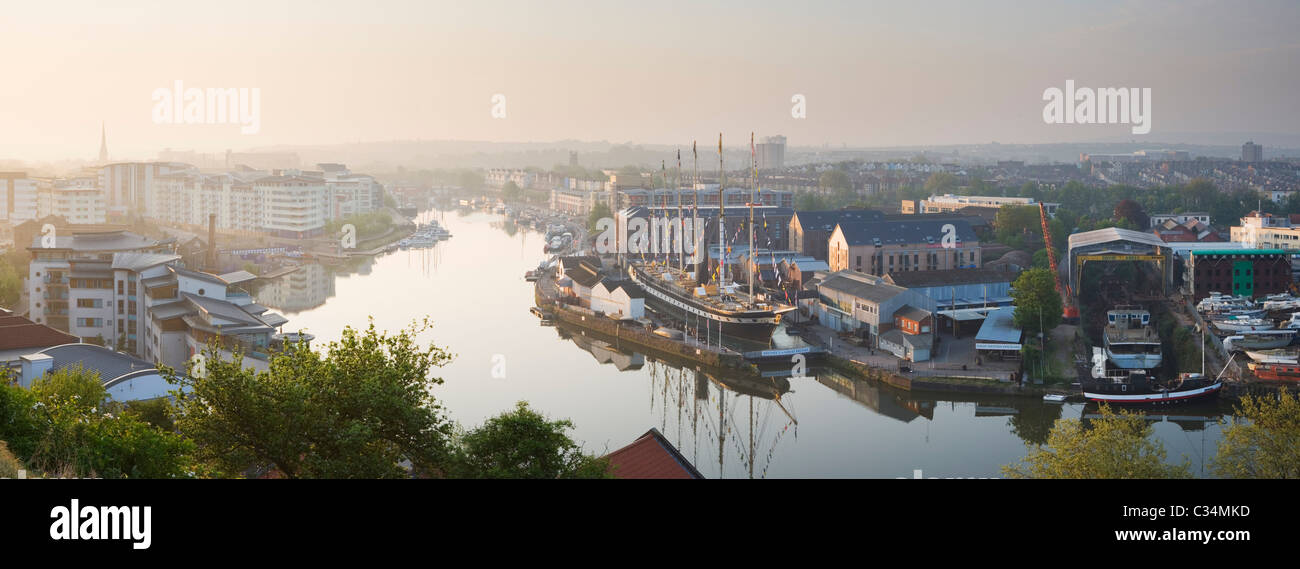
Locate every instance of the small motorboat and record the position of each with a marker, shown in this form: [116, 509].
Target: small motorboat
[1054, 398]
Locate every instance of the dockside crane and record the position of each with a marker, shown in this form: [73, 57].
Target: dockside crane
[1069, 312]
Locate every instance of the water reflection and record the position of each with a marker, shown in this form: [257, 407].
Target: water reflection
[729, 424]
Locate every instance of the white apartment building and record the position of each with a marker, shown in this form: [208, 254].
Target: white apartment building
[131, 294]
[86, 284]
[293, 205]
[128, 186]
[189, 198]
[78, 202]
[1265, 231]
[950, 202]
[18, 197]
[349, 193]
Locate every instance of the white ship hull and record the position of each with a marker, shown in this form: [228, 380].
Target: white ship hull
[1134, 361]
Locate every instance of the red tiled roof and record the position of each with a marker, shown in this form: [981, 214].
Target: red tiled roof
[17, 333]
[651, 456]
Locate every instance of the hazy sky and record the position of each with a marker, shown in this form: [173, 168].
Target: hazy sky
[873, 73]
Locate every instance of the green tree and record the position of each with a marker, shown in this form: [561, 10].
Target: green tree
[837, 181]
[1041, 260]
[359, 410]
[1113, 446]
[1018, 225]
[511, 191]
[524, 444]
[55, 431]
[940, 183]
[1263, 439]
[75, 384]
[11, 283]
[157, 412]
[1035, 298]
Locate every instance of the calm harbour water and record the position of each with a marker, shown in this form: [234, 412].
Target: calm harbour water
[825, 425]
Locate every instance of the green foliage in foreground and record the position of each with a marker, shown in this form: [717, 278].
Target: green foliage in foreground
[524, 444]
[63, 426]
[359, 410]
[1263, 439]
[1113, 446]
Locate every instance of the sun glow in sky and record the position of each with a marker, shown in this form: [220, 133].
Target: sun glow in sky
[873, 73]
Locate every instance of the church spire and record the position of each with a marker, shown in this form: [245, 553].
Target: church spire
[103, 144]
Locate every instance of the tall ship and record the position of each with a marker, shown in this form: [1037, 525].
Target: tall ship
[1131, 342]
[718, 302]
[1107, 384]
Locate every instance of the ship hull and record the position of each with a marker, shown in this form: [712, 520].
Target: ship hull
[751, 325]
[1153, 397]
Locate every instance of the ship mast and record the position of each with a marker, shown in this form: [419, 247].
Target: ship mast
[663, 177]
[749, 269]
[695, 209]
[722, 235]
[680, 226]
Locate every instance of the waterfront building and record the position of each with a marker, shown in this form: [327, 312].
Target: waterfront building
[884, 247]
[1247, 272]
[956, 289]
[79, 203]
[912, 337]
[576, 275]
[128, 187]
[622, 299]
[998, 335]
[191, 311]
[810, 230]
[18, 197]
[576, 202]
[350, 193]
[77, 271]
[849, 301]
[293, 205]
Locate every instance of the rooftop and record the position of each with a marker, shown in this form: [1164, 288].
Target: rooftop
[18, 333]
[905, 231]
[117, 240]
[999, 326]
[861, 286]
[912, 313]
[827, 220]
[651, 456]
[112, 366]
[950, 277]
